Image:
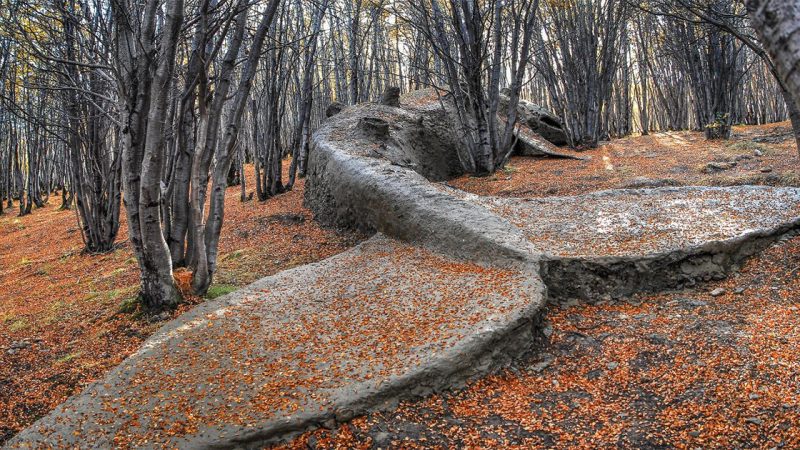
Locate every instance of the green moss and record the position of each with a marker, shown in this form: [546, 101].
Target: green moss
[57, 311]
[18, 325]
[68, 357]
[236, 254]
[218, 290]
[115, 272]
[44, 270]
[91, 296]
[129, 306]
[117, 293]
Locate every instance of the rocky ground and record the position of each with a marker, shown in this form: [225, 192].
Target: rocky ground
[288, 351]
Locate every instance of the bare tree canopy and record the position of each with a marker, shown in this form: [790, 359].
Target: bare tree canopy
[165, 104]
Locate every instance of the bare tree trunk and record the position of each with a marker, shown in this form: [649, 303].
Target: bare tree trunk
[778, 25]
[144, 113]
[207, 259]
[794, 115]
[207, 136]
[304, 116]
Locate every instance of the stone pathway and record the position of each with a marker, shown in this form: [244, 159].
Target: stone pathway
[384, 321]
[398, 319]
[309, 345]
[642, 222]
[711, 367]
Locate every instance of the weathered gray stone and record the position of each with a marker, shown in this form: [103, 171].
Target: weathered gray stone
[541, 121]
[322, 343]
[316, 344]
[715, 167]
[391, 97]
[334, 109]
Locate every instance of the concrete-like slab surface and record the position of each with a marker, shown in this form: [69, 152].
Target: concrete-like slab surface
[454, 292]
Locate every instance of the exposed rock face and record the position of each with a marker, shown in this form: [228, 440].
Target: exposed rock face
[334, 109]
[540, 121]
[716, 167]
[362, 179]
[391, 97]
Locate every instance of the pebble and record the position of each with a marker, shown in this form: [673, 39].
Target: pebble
[758, 152]
[717, 292]
[738, 290]
[160, 317]
[381, 438]
[547, 331]
[594, 374]
[714, 167]
[542, 365]
[17, 346]
[754, 420]
[766, 169]
[20, 345]
[697, 303]
[754, 396]
[612, 365]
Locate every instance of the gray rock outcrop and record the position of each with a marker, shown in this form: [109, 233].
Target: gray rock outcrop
[451, 287]
[539, 120]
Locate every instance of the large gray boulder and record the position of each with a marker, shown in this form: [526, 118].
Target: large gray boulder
[540, 121]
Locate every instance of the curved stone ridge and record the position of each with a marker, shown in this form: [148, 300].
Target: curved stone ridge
[313, 344]
[454, 292]
[619, 242]
[637, 223]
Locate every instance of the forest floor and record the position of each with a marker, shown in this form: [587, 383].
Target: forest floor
[711, 367]
[762, 155]
[684, 369]
[604, 378]
[66, 317]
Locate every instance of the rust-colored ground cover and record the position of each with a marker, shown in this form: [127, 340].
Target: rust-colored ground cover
[292, 346]
[684, 370]
[60, 320]
[674, 158]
